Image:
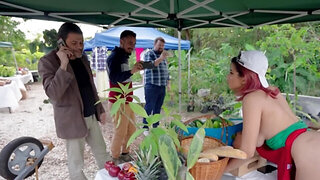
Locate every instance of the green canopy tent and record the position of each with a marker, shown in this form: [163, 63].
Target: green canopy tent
[179, 14]
[9, 45]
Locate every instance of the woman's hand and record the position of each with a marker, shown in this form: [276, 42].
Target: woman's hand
[237, 141]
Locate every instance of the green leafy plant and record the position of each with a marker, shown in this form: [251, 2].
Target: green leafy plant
[120, 101]
[168, 152]
[162, 140]
[167, 126]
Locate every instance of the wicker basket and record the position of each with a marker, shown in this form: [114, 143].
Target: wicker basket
[206, 171]
[209, 116]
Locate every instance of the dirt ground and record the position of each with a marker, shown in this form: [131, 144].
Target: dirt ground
[29, 120]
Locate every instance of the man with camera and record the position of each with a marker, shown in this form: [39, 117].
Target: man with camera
[156, 79]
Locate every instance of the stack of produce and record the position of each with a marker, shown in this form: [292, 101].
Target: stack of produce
[126, 173]
[210, 123]
[6, 71]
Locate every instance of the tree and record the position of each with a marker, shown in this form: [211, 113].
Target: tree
[50, 38]
[10, 33]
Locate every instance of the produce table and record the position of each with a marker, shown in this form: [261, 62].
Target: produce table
[26, 78]
[10, 95]
[254, 175]
[21, 80]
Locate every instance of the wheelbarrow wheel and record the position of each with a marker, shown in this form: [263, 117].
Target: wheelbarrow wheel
[15, 155]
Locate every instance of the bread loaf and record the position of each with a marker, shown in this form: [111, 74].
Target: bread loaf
[227, 151]
[210, 156]
[203, 160]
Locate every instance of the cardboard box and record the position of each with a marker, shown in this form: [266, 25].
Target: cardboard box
[250, 165]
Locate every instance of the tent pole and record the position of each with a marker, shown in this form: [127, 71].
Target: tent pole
[294, 86]
[15, 60]
[189, 88]
[179, 52]
[96, 59]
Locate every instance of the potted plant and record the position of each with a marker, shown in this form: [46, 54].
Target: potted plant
[162, 143]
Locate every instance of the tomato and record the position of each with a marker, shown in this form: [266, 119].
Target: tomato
[114, 170]
[129, 176]
[121, 175]
[108, 164]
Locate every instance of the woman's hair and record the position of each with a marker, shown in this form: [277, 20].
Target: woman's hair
[252, 82]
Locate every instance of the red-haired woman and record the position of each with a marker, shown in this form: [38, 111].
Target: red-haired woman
[269, 125]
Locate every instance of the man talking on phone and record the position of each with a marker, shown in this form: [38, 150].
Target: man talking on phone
[156, 79]
[68, 82]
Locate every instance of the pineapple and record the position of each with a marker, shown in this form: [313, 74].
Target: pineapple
[147, 166]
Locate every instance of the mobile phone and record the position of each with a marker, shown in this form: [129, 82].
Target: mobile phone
[61, 43]
[147, 65]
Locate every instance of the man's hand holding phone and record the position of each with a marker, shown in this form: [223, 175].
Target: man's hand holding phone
[147, 65]
[164, 55]
[136, 67]
[64, 54]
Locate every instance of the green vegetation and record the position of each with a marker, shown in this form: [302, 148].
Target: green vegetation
[285, 45]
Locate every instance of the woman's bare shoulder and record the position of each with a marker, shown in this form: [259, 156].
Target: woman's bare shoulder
[255, 95]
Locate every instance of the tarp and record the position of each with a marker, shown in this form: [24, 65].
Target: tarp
[5, 45]
[145, 39]
[179, 14]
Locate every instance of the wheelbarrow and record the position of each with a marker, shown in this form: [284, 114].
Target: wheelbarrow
[22, 157]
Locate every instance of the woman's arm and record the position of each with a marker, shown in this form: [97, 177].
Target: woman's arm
[252, 112]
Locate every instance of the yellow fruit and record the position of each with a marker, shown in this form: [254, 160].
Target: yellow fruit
[133, 169]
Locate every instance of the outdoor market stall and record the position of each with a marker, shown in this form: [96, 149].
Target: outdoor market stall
[21, 80]
[179, 14]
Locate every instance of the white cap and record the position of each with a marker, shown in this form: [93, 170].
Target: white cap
[257, 62]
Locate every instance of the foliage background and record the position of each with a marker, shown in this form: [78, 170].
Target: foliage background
[285, 45]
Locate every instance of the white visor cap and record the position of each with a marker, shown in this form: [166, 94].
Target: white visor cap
[257, 62]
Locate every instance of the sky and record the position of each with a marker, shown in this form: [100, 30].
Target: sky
[33, 27]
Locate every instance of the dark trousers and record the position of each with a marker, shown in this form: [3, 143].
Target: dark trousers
[154, 96]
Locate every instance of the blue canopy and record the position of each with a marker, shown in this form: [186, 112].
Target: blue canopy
[145, 39]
